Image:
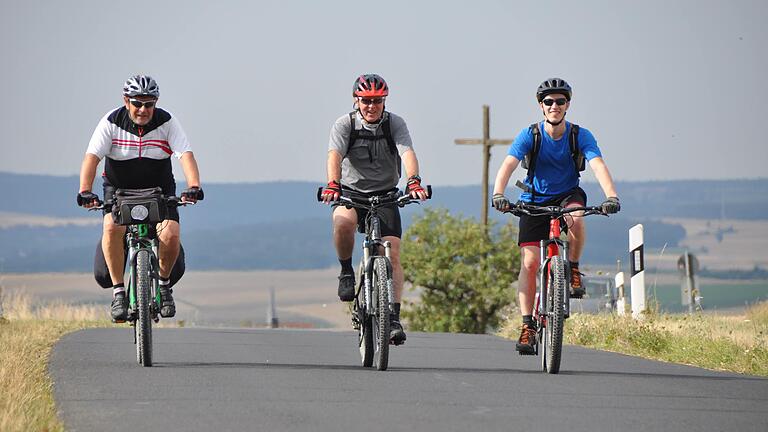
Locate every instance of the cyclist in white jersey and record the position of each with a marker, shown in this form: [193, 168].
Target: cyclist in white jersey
[137, 140]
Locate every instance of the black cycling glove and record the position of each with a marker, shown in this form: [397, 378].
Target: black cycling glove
[611, 205]
[500, 202]
[193, 194]
[86, 197]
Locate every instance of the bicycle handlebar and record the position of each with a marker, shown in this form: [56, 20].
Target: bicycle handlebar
[394, 197]
[534, 210]
[170, 201]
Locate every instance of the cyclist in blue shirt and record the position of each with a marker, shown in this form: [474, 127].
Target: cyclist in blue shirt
[553, 179]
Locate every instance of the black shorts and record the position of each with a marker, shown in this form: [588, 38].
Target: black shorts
[533, 229]
[168, 190]
[389, 217]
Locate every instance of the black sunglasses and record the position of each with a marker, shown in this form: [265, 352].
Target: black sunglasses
[369, 101]
[558, 101]
[138, 104]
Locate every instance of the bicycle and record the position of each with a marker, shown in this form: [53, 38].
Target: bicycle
[370, 314]
[551, 305]
[140, 210]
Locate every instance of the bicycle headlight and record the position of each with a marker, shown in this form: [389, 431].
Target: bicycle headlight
[139, 212]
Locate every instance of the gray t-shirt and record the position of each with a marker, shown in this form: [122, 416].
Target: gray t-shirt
[369, 166]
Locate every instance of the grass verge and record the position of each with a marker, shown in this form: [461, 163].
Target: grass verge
[27, 334]
[727, 343]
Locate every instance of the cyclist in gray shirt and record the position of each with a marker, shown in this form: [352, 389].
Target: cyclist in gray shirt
[364, 157]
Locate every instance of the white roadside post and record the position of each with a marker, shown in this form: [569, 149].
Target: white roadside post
[620, 302]
[637, 260]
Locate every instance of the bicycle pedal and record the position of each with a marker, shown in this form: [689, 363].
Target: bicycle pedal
[118, 321]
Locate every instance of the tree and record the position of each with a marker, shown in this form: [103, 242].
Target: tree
[463, 274]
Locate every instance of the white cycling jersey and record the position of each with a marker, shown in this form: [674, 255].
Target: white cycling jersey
[138, 156]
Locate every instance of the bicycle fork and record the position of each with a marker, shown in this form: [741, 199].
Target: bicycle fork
[368, 246]
[547, 250]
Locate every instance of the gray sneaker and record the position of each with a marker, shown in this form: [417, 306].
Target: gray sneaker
[396, 332]
[167, 305]
[347, 287]
[119, 308]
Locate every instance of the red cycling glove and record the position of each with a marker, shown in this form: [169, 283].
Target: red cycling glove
[332, 191]
[414, 185]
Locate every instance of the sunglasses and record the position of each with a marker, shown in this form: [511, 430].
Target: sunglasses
[558, 101]
[138, 104]
[369, 101]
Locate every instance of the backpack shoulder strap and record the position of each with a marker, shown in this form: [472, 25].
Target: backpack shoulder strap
[385, 127]
[353, 132]
[529, 162]
[578, 157]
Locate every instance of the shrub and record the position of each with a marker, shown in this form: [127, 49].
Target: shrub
[463, 274]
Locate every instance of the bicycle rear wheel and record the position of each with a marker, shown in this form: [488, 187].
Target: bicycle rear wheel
[365, 337]
[553, 333]
[143, 323]
[381, 328]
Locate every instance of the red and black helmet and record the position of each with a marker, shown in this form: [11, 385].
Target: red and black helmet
[370, 85]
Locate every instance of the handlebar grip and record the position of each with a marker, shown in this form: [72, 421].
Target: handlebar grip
[320, 193]
[429, 191]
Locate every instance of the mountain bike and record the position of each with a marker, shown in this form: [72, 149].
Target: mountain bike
[551, 305]
[140, 210]
[374, 294]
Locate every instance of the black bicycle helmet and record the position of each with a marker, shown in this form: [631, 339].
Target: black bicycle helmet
[552, 86]
[141, 85]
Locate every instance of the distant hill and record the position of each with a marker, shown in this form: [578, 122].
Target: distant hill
[280, 225]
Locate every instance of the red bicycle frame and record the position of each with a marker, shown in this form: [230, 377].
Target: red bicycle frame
[552, 250]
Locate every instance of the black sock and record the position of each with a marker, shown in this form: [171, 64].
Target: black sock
[346, 265]
[396, 310]
[573, 264]
[528, 320]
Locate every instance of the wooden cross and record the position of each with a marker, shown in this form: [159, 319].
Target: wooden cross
[487, 142]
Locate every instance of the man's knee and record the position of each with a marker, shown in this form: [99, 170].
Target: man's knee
[113, 232]
[344, 226]
[529, 264]
[169, 232]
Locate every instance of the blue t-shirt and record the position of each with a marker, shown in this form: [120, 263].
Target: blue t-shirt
[555, 170]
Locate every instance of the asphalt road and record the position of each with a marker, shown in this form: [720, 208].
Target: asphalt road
[310, 380]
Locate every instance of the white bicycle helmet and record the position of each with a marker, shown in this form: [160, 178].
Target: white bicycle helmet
[141, 85]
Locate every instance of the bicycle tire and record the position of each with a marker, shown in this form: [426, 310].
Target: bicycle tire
[144, 319]
[365, 335]
[381, 284]
[555, 315]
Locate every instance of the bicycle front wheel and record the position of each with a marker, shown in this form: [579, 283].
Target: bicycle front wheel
[143, 323]
[555, 315]
[381, 284]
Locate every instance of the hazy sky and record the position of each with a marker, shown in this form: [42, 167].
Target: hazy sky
[671, 89]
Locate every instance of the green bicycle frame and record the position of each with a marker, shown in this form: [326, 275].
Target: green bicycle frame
[138, 239]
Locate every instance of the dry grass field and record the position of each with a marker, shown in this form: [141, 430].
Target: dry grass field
[217, 298]
[28, 330]
[721, 244]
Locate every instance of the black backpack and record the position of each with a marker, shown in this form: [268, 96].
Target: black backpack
[356, 134]
[529, 162]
